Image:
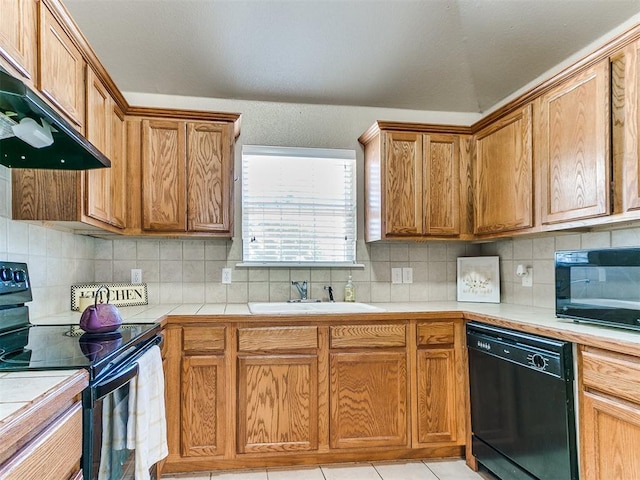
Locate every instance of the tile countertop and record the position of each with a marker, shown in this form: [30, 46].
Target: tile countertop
[541, 321]
[22, 393]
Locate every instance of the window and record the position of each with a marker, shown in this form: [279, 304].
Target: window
[298, 206]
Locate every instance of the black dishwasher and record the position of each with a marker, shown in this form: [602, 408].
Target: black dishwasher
[522, 404]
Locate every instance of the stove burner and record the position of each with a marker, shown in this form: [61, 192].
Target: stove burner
[24, 357]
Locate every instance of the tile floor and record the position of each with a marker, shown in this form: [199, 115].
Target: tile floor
[404, 470]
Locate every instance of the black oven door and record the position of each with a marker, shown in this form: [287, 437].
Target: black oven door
[106, 414]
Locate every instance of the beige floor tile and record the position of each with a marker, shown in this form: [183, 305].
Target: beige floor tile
[300, 473]
[362, 471]
[187, 476]
[240, 475]
[452, 470]
[404, 471]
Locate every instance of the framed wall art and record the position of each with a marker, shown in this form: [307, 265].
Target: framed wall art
[479, 279]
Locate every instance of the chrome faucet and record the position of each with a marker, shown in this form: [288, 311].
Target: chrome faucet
[302, 289]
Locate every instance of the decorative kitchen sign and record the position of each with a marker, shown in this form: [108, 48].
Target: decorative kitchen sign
[121, 294]
[479, 279]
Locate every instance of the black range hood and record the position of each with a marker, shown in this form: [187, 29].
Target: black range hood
[69, 150]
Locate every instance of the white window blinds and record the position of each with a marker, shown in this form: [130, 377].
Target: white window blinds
[298, 205]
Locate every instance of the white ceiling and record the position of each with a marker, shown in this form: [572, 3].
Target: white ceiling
[441, 55]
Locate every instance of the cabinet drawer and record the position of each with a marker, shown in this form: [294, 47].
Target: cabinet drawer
[202, 339]
[346, 336]
[612, 373]
[277, 338]
[435, 333]
[52, 455]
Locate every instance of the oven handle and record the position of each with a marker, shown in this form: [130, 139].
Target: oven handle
[111, 384]
[126, 374]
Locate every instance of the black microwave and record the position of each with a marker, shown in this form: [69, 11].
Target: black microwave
[600, 286]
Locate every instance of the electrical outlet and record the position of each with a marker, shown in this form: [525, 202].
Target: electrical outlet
[226, 275]
[527, 280]
[396, 275]
[407, 275]
[136, 275]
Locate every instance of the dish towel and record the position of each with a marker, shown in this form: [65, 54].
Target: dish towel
[147, 425]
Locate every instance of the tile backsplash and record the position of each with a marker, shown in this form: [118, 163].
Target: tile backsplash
[190, 271]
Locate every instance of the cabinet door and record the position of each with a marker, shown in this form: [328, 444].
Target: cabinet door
[437, 391]
[98, 128]
[61, 69]
[18, 36]
[210, 173]
[403, 191]
[610, 438]
[119, 182]
[625, 84]
[368, 399]
[574, 147]
[441, 185]
[504, 175]
[203, 413]
[163, 175]
[277, 403]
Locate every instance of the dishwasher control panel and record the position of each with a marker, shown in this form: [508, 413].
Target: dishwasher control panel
[518, 351]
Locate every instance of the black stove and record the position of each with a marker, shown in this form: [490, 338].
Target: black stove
[111, 360]
[24, 346]
[64, 347]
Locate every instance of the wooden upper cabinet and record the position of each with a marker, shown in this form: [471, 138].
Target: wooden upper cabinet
[573, 147]
[210, 178]
[98, 128]
[441, 184]
[412, 183]
[187, 176]
[61, 70]
[503, 161]
[625, 95]
[18, 37]
[118, 157]
[163, 175]
[105, 188]
[403, 190]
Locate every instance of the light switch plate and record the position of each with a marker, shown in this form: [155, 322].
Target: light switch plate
[407, 275]
[396, 275]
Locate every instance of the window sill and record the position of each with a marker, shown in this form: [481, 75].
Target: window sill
[300, 265]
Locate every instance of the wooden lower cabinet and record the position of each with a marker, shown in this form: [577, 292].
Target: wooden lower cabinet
[247, 393]
[203, 408]
[368, 399]
[277, 403]
[610, 415]
[439, 396]
[54, 454]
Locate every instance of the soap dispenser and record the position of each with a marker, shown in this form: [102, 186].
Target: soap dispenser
[349, 291]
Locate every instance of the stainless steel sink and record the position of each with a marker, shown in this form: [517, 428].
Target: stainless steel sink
[276, 308]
